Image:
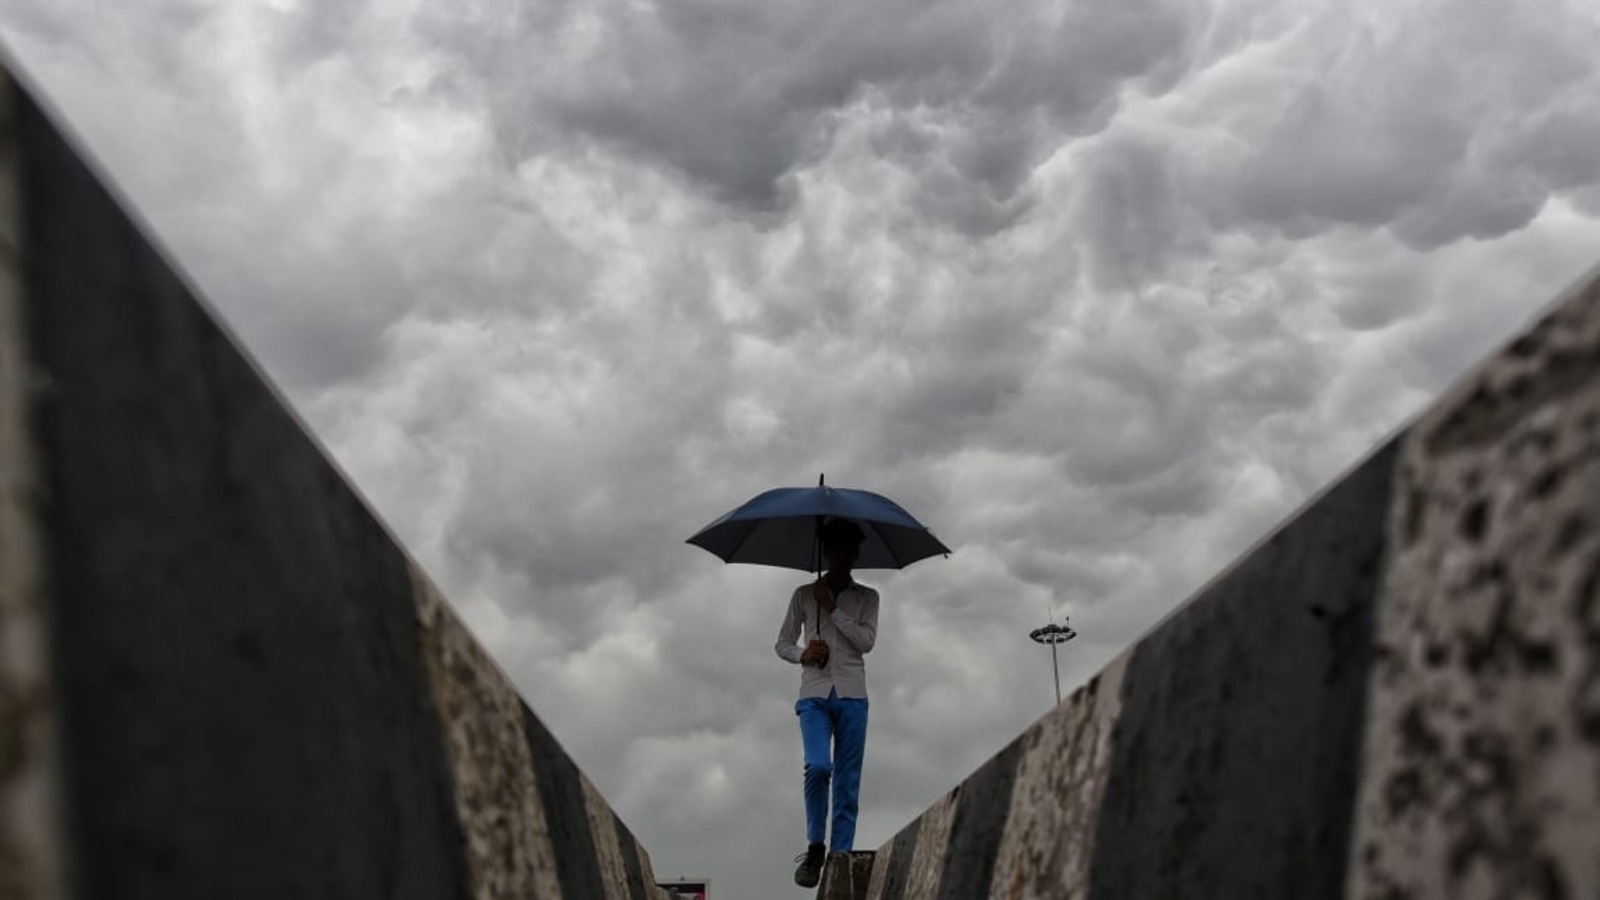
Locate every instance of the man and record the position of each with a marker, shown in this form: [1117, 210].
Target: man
[840, 620]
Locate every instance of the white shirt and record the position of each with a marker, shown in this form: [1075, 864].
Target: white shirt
[849, 633]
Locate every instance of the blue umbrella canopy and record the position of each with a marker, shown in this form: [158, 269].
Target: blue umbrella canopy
[779, 528]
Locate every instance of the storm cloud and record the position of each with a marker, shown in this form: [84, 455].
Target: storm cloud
[1100, 292]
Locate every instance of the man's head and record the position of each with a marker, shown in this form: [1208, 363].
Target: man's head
[841, 543]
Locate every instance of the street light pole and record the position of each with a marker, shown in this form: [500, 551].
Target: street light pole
[1053, 634]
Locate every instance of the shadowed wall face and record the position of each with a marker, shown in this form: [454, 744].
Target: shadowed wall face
[1218, 757]
[30, 844]
[1236, 756]
[256, 693]
[238, 682]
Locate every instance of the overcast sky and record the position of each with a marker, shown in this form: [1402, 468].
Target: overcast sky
[1101, 291]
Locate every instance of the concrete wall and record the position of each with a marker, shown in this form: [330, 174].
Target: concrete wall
[1395, 695]
[219, 676]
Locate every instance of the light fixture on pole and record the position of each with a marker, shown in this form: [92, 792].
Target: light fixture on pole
[1053, 634]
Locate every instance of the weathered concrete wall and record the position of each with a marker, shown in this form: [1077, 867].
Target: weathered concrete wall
[847, 876]
[1396, 695]
[1482, 753]
[30, 846]
[217, 666]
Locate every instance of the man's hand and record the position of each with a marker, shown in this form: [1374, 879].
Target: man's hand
[823, 596]
[816, 654]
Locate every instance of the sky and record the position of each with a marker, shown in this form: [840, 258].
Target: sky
[1100, 292]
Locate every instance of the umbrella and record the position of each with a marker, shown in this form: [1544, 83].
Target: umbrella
[779, 528]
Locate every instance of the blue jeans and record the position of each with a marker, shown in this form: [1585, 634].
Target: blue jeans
[842, 722]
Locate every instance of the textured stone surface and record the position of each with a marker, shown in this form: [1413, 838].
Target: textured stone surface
[624, 872]
[1049, 832]
[30, 853]
[977, 827]
[1483, 749]
[640, 877]
[497, 797]
[848, 876]
[891, 868]
[925, 865]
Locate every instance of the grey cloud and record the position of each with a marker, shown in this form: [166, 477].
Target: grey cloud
[1420, 136]
[740, 98]
[312, 33]
[320, 316]
[1069, 59]
[52, 24]
[1128, 213]
[1555, 141]
[966, 374]
[1587, 200]
[1374, 295]
[157, 41]
[1339, 156]
[1473, 208]
[989, 196]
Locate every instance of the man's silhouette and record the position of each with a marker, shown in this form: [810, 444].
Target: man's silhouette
[840, 621]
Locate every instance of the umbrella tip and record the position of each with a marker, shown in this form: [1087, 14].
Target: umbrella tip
[819, 479]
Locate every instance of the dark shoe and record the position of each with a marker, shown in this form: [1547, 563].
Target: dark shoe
[809, 872]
